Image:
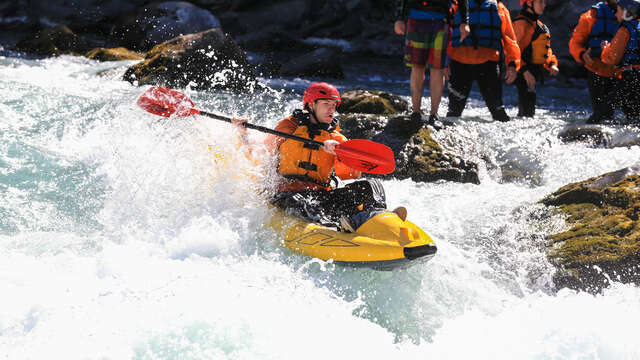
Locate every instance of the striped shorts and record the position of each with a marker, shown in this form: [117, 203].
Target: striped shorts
[427, 43]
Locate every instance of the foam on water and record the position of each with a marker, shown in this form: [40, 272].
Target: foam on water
[123, 235]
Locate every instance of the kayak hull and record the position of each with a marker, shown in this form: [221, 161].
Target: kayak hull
[384, 242]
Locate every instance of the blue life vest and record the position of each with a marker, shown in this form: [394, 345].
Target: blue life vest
[604, 28]
[632, 52]
[485, 24]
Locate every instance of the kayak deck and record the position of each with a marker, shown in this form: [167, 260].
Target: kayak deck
[384, 242]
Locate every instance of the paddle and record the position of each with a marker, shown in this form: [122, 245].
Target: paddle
[364, 155]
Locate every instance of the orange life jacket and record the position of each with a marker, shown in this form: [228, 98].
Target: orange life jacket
[538, 50]
[307, 162]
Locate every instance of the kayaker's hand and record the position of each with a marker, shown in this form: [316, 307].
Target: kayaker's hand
[330, 146]
[530, 79]
[399, 27]
[464, 31]
[604, 44]
[586, 58]
[238, 122]
[511, 74]
[553, 70]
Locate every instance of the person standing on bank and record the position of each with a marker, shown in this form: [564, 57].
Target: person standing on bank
[428, 38]
[596, 25]
[624, 53]
[476, 58]
[534, 40]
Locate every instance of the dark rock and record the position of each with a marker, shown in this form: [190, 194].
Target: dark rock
[371, 102]
[604, 240]
[159, 22]
[322, 62]
[53, 41]
[115, 54]
[585, 133]
[206, 60]
[418, 155]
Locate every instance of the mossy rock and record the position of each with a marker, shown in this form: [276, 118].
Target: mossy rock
[371, 102]
[604, 239]
[113, 54]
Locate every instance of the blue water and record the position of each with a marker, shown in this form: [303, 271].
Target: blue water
[123, 235]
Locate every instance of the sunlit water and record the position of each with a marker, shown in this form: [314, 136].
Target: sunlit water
[124, 235]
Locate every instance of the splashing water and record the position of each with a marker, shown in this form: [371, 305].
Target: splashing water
[125, 235]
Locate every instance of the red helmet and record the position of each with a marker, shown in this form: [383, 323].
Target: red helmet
[320, 90]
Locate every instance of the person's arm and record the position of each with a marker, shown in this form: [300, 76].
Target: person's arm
[463, 9]
[578, 42]
[552, 63]
[343, 171]
[400, 10]
[612, 53]
[512, 52]
[399, 15]
[288, 126]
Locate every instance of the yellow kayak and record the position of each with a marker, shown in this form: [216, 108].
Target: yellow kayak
[384, 242]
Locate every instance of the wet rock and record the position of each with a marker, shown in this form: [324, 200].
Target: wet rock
[418, 156]
[159, 22]
[114, 54]
[372, 102]
[206, 60]
[322, 62]
[53, 41]
[77, 15]
[603, 242]
[585, 133]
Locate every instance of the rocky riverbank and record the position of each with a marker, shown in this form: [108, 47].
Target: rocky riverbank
[267, 28]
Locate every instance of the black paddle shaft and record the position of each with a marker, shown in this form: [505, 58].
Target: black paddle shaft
[263, 129]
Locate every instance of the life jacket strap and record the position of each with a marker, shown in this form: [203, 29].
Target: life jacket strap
[308, 166]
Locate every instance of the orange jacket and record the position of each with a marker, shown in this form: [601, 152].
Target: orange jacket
[469, 55]
[524, 28]
[292, 153]
[578, 44]
[613, 53]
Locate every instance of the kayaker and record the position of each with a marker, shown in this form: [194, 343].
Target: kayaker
[428, 39]
[534, 40]
[624, 53]
[477, 56]
[597, 24]
[307, 185]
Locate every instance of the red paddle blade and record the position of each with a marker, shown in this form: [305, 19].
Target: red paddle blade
[166, 102]
[367, 156]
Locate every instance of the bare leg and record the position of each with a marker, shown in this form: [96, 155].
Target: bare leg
[417, 87]
[436, 87]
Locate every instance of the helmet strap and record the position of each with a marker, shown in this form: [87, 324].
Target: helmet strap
[626, 16]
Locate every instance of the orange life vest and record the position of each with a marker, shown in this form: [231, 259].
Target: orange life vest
[538, 50]
[307, 162]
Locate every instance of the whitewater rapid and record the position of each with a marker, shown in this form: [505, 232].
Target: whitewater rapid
[123, 235]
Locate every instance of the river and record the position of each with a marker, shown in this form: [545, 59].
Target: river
[128, 236]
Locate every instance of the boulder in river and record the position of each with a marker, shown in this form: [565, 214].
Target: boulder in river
[418, 156]
[206, 60]
[603, 241]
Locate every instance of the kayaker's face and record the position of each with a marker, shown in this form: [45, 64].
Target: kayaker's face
[538, 6]
[324, 110]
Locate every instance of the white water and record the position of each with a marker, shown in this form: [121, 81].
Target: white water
[120, 237]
